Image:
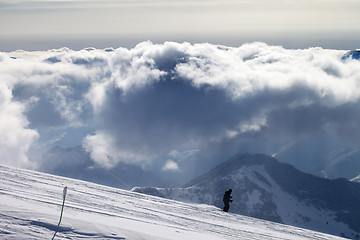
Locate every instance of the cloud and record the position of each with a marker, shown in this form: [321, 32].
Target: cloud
[16, 138]
[188, 103]
[170, 165]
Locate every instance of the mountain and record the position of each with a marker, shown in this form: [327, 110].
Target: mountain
[356, 179]
[30, 206]
[267, 189]
[76, 163]
[354, 54]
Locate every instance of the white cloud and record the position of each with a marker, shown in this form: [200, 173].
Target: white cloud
[101, 149]
[16, 138]
[170, 165]
[187, 100]
[104, 151]
[254, 68]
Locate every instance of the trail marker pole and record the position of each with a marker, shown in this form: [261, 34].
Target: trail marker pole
[62, 208]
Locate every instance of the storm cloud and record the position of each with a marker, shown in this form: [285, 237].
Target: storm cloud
[177, 103]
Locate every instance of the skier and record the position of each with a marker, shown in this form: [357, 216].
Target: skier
[226, 199]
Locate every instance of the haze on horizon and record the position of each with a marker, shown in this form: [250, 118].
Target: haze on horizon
[47, 24]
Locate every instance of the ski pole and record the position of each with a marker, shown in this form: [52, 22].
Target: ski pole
[62, 208]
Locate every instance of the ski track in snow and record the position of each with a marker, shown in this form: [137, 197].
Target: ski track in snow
[31, 204]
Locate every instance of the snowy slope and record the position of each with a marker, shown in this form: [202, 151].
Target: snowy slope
[267, 189]
[354, 54]
[30, 204]
[356, 179]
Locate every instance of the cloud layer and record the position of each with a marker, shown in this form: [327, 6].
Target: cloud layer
[177, 105]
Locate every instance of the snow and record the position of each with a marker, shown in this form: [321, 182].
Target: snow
[320, 219]
[253, 199]
[356, 179]
[30, 205]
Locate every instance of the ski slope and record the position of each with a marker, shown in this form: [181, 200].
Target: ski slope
[30, 205]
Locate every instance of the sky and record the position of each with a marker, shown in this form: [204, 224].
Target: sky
[176, 85]
[47, 24]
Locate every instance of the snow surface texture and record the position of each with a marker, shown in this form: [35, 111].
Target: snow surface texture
[267, 189]
[31, 203]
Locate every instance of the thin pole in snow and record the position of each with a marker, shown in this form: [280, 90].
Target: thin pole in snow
[62, 208]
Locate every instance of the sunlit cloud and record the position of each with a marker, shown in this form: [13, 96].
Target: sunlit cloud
[187, 103]
[170, 165]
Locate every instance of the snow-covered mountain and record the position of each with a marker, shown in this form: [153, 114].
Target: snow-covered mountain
[267, 189]
[354, 54]
[30, 205]
[76, 163]
[356, 179]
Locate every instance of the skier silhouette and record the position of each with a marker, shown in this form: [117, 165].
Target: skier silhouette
[226, 199]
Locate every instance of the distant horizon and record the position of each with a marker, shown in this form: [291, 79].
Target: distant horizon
[41, 43]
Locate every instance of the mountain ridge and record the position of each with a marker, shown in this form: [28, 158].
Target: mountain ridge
[265, 188]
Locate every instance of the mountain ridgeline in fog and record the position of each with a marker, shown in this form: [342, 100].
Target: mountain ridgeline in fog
[76, 163]
[267, 189]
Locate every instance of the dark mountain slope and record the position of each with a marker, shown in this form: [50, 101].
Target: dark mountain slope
[266, 188]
